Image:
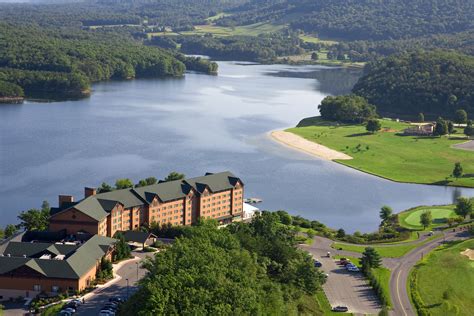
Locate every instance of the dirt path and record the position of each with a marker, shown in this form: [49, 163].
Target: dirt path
[299, 143]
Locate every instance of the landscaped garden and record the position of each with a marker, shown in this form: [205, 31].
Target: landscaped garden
[455, 271]
[387, 154]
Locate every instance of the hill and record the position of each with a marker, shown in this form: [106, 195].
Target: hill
[434, 83]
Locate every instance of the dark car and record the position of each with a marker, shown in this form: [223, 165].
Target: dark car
[342, 309]
[317, 264]
[116, 299]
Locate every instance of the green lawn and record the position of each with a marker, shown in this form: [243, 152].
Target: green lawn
[382, 275]
[324, 305]
[217, 16]
[385, 251]
[400, 158]
[248, 30]
[52, 310]
[411, 218]
[445, 281]
[314, 39]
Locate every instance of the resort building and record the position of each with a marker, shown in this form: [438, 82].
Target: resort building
[30, 268]
[182, 202]
[420, 130]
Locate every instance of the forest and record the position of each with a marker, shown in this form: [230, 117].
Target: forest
[243, 269]
[37, 60]
[435, 83]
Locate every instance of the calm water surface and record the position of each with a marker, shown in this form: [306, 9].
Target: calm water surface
[193, 125]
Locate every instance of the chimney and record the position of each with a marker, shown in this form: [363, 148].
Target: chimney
[65, 199]
[89, 192]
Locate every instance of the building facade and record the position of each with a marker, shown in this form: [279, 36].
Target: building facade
[30, 268]
[182, 202]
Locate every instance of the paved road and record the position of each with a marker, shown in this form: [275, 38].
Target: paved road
[469, 145]
[401, 268]
[101, 296]
[343, 287]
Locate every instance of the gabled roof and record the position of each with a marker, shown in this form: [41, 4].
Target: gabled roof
[124, 196]
[19, 249]
[166, 191]
[79, 261]
[92, 208]
[136, 236]
[215, 182]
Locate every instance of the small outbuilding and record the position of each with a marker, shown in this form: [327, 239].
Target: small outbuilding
[138, 238]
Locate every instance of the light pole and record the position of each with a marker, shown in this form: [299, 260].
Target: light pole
[137, 270]
[127, 287]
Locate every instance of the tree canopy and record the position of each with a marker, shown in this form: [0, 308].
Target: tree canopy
[346, 108]
[434, 83]
[243, 269]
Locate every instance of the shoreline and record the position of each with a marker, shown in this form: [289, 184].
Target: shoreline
[303, 145]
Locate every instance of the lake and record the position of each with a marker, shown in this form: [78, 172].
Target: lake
[194, 125]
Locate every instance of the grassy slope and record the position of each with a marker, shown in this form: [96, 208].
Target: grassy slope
[455, 272]
[400, 158]
[384, 251]
[382, 275]
[411, 218]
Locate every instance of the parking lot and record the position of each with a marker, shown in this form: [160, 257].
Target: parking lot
[343, 287]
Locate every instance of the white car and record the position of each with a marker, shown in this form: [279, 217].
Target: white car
[106, 313]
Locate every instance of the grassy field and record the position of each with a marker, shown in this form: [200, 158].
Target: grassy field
[52, 310]
[411, 159]
[313, 39]
[411, 218]
[217, 16]
[445, 281]
[248, 30]
[396, 251]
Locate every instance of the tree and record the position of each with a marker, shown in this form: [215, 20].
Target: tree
[124, 183]
[34, 219]
[370, 259]
[460, 117]
[10, 230]
[314, 56]
[373, 125]
[457, 171]
[122, 249]
[2, 234]
[285, 218]
[450, 127]
[105, 270]
[464, 207]
[104, 187]
[147, 181]
[469, 129]
[441, 127]
[421, 117]
[386, 213]
[340, 233]
[426, 219]
[346, 108]
[45, 207]
[174, 176]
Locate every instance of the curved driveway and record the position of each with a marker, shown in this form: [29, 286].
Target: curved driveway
[402, 266]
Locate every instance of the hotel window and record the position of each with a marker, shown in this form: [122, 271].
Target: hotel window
[55, 289]
[37, 288]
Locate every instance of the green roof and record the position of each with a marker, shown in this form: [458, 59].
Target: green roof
[99, 206]
[73, 266]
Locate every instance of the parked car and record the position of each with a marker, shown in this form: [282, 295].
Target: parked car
[344, 261]
[64, 313]
[116, 299]
[353, 269]
[317, 264]
[69, 310]
[106, 313]
[340, 309]
[71, 304]
[76, 301]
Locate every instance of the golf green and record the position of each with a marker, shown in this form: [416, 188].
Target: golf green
[439, 216]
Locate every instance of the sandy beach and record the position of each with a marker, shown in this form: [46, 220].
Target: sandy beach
[299, 143]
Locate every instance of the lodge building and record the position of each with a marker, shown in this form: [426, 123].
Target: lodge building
[181, 202]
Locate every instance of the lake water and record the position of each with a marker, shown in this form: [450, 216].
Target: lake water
[193, 125]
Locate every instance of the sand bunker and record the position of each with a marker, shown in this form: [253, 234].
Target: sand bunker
[315, 149]
[468, 253]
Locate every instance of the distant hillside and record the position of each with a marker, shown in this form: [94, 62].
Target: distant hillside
[360, 19]
[434, 83]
